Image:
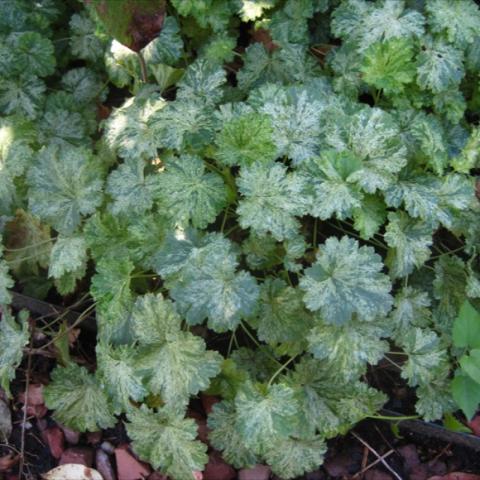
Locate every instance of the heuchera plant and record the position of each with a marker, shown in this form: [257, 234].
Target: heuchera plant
[281, 198]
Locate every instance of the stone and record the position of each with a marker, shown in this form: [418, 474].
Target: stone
[375, 474]
[55, 439]
[78, 455]
[128, 467]
[258, 472]
[157, 476]
[71, 436]
[104, 465]
[218, 469]
[94, 438]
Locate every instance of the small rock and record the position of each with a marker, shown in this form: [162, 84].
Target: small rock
[94, 438]
[410, 456]
[53, 436]
[128, 467]
[375, 474]
[316, 475]
[218, 469]
[437, 467]
[78, 455]
[157, 476]
[339, 465]
[107, 447]
[474, 424]
[36, 404]
[202, 429]
[71, 436]
[258, 472]
[35, 394]
[418, 472]
[104, 466]
[208, 401]
[8, 461]
[42, 424]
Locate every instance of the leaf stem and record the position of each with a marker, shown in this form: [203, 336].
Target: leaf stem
[275, 375]
[393, 418]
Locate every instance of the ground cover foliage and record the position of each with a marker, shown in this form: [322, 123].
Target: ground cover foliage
[297, 177]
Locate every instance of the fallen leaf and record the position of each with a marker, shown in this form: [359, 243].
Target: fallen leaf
[71, 471]
[135, 23]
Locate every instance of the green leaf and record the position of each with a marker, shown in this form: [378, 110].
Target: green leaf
[78, 400]
[154, 319]
[246, 139]
[411, 308]
[454, 425]
[265, 415]
[271, 198]
[69, 254]
[282, 316]
[370, 216]
[117, 373]
[32, 52]
[293, 457]
[187, 123]
[111, 290]
[6, 282]
[187, 367]
[469, 155]
[329, 403]
[365, 23]
[331, 192]
[14, 337]
[132, 189]
[388, 65]
[428, 131]
[211, 288]
[65, 184]
[225, 436]
[373, 136]
[471, 365]
[295, 113]
[346, 279]
[84, 42]
[466, 394]
[23, 95]
[130, 130]
[348, 348]
[167, 441]
[459, 20]
[290, 64]
[253, 9]
[410, 241]
[440, 66]
[202, 80]
[167, 46]
[466, 327]
[449, 290]
[83, 84]
[187, 193]
[426, 356]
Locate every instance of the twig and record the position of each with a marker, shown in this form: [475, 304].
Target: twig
[387, 466]
[364, 462]
[25, 410]
[371, 465]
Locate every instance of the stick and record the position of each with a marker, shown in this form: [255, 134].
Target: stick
[387, 466]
